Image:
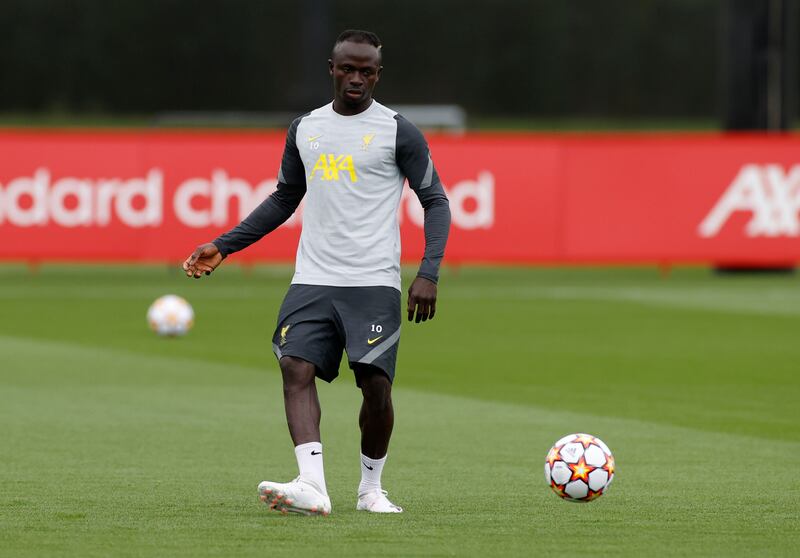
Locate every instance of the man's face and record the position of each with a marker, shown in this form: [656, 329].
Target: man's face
[355, 68]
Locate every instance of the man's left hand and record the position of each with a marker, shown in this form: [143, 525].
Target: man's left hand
[422, 299]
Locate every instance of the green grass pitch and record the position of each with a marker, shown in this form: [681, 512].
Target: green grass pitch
[116, 442]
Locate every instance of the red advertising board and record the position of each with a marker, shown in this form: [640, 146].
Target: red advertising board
[152, 196]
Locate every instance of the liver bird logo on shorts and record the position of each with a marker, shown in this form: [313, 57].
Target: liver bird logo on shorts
[284, 330]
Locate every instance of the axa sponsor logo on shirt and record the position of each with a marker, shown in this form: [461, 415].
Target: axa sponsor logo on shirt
[329, 165]
[218, 200]
[769, 193]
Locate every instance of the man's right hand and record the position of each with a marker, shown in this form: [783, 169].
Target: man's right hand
[204, 259]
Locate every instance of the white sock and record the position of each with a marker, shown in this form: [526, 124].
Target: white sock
[371, 470]
[309, 461]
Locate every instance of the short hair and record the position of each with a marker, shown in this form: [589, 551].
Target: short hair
[357, 36]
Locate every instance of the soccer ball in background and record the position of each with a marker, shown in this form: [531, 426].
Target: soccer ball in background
[579, 467]
[170, 316]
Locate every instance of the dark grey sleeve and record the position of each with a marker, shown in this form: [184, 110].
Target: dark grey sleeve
[277, 208]
[414, 160]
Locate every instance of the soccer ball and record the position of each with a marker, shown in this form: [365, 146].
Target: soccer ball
[170, 316]
[579, 467]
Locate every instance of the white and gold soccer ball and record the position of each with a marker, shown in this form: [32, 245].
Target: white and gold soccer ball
[170, 316]
[579, 467]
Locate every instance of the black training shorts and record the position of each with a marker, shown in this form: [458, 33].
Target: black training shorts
[316, 323]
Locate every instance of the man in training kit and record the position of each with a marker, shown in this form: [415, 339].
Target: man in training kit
[350, 159]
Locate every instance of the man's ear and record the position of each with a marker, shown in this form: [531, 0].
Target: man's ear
[330, 66]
